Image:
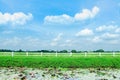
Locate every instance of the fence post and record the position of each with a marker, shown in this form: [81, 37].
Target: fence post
[85, 54]
[26, 53]
[70, 53]
[56, 54]
[41, 53]
[12, 54]
[99, 53]
[113, 54]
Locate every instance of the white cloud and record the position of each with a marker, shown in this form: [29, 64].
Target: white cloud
[85, 32]
[106, 37]
[66, 19]
[106, 28]
[14, 41]
[96, 39]
[68, 41]
[113, 41]
[86, 14]
[66, 45]
[15, 18]
[62, 19]
[110, 36]
[56, 39]
[53, 43]
[117, 30]
[22, 43]
[109, 33]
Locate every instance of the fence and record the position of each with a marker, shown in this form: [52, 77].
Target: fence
[85, 54]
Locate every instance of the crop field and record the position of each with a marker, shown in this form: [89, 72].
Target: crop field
[60, 60]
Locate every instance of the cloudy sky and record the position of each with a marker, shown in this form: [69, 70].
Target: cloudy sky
[60, 24]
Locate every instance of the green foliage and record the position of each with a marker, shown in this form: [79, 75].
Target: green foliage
[20, 50]
[5, 50]
[73, 51]
[60, 61]
[63, 51]
[99, 50]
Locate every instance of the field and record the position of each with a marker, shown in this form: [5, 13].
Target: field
[60, 60]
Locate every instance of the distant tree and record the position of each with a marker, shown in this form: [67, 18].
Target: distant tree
[20, 50]
[45, 51]
[5, 50]
[63, 51]
[73, 51]
[79, 51]
[52, 51]
[99, 50]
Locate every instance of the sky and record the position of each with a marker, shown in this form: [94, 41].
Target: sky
[60, 24]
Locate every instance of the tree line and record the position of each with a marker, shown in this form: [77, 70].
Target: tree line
[53, 51]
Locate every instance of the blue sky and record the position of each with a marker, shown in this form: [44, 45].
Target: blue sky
[61, 24]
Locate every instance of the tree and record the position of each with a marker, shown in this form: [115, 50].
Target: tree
[99, 50]
[20, 50]
[5, 50]
[73, 51]
[46, 51]
[63, 51]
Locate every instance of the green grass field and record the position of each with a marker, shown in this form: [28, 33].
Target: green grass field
[63, 60]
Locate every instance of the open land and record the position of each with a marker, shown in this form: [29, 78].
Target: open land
[48, 66]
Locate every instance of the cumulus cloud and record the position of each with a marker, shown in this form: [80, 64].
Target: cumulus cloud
[113, 41]
[106, 28]
[66, 19]
[110, 36]
[14, 41]
[86, 14]
[60, 42]
[117, 30]
[22, 43]
[53, 43]
[68, 41]
[85, 32]
[56, 39]
[62, 19]
[66, 45]
[106, 40]
[15, 18]
[96, 39]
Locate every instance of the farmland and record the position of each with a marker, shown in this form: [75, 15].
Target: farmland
[61, 60]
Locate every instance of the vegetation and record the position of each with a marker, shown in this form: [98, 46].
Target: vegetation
[61, 61]
[53, 51]
[99, 50]
[5, 50]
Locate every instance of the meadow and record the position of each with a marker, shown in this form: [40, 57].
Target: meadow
[60, 60]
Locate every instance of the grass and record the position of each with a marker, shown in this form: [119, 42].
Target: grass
[62, 61]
